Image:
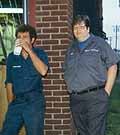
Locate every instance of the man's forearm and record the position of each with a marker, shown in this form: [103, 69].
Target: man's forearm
[39, 64]
[10, 95]
[112, 71]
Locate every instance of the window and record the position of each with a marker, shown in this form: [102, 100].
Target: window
[12, 13]
[111, 22]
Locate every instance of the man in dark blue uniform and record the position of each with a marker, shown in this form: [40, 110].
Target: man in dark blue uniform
[89, 70]
[24, 86]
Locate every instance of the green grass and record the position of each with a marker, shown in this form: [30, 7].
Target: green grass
[113, 121]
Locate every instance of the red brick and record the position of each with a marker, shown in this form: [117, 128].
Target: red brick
[60, 93]
[51, 87]
[53, 98]
[48, 127]
[62, 127]
[65, 6]
[43, 24]
[54, 64]
[44, 36]
[58, 81]
[50, 19]
[59, 1]
[53, 53]
[62, 116]
[54, 13]
[60, 47]
[47, 81]
[50, 7]
[50, 42]
[53, 24]
[50, 30]
[67, 132]
[48, 104]
[53, 132]
[43, 13]
[59, 24]
[48, 116]
[63, 104]
[65, 99]
[56, 111]
[66, 110]
[59, 36]
[48, 93]
[65, 41]
[53, 76]
[53, 121]
[42, 2]
[60, 58]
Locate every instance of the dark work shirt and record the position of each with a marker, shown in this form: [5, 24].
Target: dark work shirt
[83, 43]
[22, 73]
[86, 68]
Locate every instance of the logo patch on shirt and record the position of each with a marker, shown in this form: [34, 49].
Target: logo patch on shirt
[92, 50]
[16, 66]
[71, 53]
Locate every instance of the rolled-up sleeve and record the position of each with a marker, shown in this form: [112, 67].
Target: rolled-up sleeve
[109, 56]
[8, 70]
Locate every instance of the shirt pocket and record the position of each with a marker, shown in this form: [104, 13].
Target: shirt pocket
[71, 59]
[17, 72]
[70, 71]
[91, 58]
[17, 78]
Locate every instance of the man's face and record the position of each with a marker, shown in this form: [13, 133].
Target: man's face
[80, 31]
[25, 36]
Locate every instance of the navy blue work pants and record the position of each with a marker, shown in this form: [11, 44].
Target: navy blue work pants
[27, 111]
[89, 111]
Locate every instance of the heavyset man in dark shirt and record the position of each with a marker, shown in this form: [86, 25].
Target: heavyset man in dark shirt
[24, 86]
[89, 70]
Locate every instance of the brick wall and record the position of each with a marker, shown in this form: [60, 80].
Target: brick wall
[53, 23]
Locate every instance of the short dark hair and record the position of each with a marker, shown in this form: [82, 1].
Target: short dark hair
[27, 28]
[81, 18]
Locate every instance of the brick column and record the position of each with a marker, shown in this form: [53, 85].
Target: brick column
[53, 24]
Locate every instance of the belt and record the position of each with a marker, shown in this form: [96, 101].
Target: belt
[88, 90]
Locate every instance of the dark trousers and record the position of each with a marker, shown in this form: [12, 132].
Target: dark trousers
[89, 112]
[27, 111]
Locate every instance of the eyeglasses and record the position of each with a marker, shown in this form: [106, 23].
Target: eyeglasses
[82, 27]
